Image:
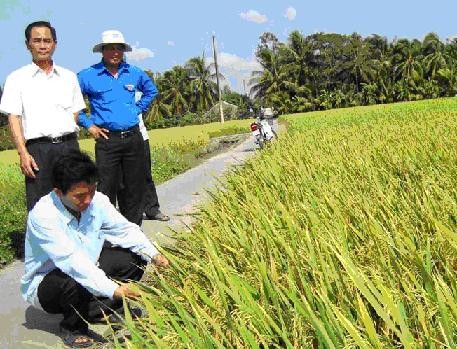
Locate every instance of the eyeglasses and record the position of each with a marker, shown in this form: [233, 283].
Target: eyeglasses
[38, 41]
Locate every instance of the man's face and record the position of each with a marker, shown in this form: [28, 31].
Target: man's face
[41, 44]
[113, 53]
[78, 197]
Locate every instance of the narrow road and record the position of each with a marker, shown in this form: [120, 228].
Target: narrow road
[23, 326]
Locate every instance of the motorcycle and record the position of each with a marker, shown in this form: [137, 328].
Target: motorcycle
[262, 131]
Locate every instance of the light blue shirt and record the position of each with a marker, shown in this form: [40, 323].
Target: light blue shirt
[55, 239]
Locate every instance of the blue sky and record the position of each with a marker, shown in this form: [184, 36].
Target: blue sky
[170, 32]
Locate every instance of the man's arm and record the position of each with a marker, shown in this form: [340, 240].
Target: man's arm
[27, 162]
[84, 120]
[121, 232]
[149, 92]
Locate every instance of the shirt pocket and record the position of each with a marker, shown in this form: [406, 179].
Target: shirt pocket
[104, 95]
[63, 97]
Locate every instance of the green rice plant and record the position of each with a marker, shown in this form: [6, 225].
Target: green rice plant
[340, 235]
[12, 212]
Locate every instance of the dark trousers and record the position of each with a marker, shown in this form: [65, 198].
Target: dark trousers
[122, 160]
[151, 201]
[58, 293]
[44, 155]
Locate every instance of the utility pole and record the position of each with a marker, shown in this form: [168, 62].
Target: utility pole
[221, 109]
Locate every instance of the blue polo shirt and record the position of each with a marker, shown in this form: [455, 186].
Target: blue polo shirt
[112, 100]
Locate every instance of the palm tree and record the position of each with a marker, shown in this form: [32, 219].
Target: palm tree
[447, 78]
[408, 67]
[174, 87]
[360, 66]
[270, 80]
[434, 56]
[159, 109]
[297, 53]
[203, 82]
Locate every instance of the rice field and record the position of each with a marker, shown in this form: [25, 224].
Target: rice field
[341, 234]
[173, 151]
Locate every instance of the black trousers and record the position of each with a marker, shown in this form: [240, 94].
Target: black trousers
[122, 160]
[151, 201]
[58, 293]
[44, 155]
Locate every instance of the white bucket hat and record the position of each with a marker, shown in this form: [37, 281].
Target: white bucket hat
[112, 37]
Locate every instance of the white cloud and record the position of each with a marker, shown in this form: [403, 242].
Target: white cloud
[253, 16]
[170, 43]
[139, 53]
[236, 68]
[236, 63]
[291, 13]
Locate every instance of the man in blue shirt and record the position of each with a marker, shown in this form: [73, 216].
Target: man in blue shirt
[110, 87]
[68, 268]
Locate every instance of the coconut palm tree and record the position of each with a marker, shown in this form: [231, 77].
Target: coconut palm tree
[435, 57]
[203, 83]
[174, 87]
[271, 79]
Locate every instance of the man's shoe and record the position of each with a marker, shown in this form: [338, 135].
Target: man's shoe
[159, 216]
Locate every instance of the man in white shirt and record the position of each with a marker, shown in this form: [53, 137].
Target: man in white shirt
[69, 267]
[42, 101]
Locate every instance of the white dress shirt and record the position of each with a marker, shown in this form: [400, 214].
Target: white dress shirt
[46, 102]
[55, 239]
[143, 129]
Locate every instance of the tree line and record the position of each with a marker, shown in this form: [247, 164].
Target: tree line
[315, 72]
[326, 70]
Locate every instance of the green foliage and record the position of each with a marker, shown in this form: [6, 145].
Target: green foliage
[232, 130]
[340, 234]
[6, 141]
[327, 70]
[12, 211]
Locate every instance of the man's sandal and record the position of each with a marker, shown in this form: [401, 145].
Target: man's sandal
[76, 339]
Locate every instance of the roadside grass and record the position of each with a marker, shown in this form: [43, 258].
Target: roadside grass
[173, 151]
[12, 211]
[342, 234]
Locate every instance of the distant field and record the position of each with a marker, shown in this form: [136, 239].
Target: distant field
[158, 137]
[341, 234]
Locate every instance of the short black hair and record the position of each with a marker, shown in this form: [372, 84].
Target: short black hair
[73, 167]
[40, 24]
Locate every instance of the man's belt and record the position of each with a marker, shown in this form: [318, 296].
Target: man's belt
[53, 140]
[125, 133]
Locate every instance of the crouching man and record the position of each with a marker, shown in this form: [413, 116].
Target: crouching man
[80, 252]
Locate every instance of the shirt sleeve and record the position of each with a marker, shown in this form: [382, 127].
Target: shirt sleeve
[11, 102]
[46, 234]
[78, 100]
[84, 120]
[149, 90]
[121, 232]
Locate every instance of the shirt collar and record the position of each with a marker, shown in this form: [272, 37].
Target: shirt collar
[35, 69]
[123, 67]
[67, 216]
